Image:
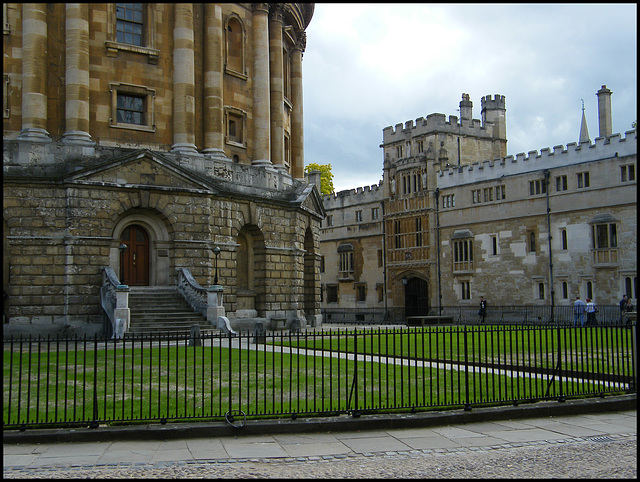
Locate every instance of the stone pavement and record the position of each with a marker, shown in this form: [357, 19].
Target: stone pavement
[383, 451]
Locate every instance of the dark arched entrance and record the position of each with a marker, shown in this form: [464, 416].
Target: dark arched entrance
[134, 259]
[416, 297]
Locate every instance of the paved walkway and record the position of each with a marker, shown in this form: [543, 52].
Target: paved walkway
[362, 453]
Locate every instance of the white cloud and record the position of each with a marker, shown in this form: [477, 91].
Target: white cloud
[369, 66]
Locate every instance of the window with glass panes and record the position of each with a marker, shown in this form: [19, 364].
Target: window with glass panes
[129, 23]
[130, 109]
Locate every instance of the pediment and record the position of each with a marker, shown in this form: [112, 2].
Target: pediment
[312, 202]
[142, 169]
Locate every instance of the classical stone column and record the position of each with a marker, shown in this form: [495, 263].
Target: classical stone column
[213, 81]
[34, 73]
[77, 73]
[261, 104]
[277, 86]
[297, 133]
[184, 102]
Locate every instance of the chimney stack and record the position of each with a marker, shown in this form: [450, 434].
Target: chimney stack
[604, 112]
[466, 107]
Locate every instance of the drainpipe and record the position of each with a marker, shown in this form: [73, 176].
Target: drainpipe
[553, 292]
[436, 194]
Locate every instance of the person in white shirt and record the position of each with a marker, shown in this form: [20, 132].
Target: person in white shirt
[591, 312]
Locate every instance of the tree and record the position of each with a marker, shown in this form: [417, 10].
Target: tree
[326, 176]
[634, 124]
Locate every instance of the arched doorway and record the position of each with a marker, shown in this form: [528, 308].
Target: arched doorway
[416, 297]
[134, 256]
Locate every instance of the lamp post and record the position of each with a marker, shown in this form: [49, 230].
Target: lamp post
[216, 252]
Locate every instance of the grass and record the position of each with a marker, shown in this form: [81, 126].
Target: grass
[63, 383]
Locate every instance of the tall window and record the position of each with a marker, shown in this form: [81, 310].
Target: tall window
[418, 232]
[375, 213]
[605, 236]
[330, 220]
[565, 242]
[346, 261]
[359, 216]
[628, 173]
[361, 292]
[321, 264]
[463, 255]
[561, 183]
[500, 193]
[465, 290]
[537, 187]
[398, 232]
[631, 287]
[494, 245]
[565, 290]
[541, 291]
[583, 180]
[332, 293]
[129, 23]
[532, 242]
[131, 109]
[235, 47]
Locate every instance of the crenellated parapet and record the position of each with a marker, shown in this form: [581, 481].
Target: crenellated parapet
[435, 123]
[360, 195]
[559, 156]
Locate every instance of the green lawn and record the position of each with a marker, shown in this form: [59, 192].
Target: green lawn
[59, 384]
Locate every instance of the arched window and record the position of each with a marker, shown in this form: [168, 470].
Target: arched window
[589, 289]
[235, 45]
[565, 243]
[565, 290]
[541, 291]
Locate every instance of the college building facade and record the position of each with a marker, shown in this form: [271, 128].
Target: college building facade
[460, 219]
[149, 144]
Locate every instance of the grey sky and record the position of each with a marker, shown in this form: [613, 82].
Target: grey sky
[369, 66]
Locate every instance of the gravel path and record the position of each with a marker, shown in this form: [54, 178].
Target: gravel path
[612, 456]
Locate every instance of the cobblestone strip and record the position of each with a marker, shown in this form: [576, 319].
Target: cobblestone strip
[79, 470]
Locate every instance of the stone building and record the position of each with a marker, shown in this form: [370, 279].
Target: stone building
[138, 138]
[351, 266]
[463, 220]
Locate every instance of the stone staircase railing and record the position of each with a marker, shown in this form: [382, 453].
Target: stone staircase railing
[114, 299]
[207, 301]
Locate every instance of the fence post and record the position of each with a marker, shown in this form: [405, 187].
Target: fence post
[561, 397]
[94, 422]
[467, 405]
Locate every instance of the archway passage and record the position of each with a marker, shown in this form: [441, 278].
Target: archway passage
[416, 297]
[134, 260]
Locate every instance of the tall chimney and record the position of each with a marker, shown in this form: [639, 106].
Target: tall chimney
[466, 107]
[604, 111]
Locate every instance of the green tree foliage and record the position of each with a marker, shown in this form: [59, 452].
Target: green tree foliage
[326, 176]
[634, 124]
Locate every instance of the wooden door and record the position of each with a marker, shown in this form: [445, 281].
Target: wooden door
[416, 299]
[134, 260]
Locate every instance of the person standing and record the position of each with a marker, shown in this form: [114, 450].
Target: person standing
[623, 307]
[578, 311]
[483, 309]
[591, 312]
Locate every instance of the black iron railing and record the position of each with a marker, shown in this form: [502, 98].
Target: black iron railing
[468, 315]
[89, 382]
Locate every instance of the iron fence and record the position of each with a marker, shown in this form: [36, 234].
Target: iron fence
[606, 315]
[90, 382]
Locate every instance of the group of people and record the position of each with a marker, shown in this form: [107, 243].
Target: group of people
[580, 308]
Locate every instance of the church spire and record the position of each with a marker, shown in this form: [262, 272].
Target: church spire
[584, 132]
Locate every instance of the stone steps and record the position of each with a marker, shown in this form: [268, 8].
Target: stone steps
[162, 309]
